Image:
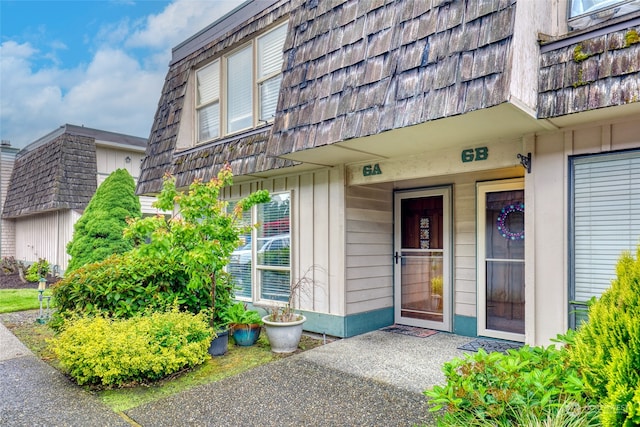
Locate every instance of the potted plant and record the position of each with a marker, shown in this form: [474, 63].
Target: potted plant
[436, 291]
[222, 297]
[283, 325]
[244, 325]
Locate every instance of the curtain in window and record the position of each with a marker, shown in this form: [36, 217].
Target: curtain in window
[269, 67]
[208, 94]
[240, 90]
[273, 248]
[606, 211]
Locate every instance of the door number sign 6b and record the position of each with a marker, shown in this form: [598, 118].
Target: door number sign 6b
[474, 154]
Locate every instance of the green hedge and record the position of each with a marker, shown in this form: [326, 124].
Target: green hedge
[100, 351]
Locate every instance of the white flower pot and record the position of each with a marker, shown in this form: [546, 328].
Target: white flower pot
[284, 337]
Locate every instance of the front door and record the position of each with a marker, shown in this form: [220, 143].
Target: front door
[501, 236]
[422, 258]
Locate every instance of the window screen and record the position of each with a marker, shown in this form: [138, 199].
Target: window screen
[606, 218]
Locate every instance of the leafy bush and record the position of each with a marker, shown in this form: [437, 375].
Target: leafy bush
[99, 351]
[124, 286]
[237, 314]
[497, 389]
[98, 233]
[175, 260]
[37, 270]
[607, 347]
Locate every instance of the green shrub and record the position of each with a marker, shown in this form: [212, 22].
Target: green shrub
[37, 270]
[124, 286]
[100, 351]
[98, 233]
[607, 347]
[498, 388]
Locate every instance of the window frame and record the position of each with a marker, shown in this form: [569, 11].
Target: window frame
[571, 20]
[223, 99]
[255, 268]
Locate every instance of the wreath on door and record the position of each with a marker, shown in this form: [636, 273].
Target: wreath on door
[501, 222]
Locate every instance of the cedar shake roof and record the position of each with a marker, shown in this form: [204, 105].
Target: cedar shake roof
[351, 69]
[59, 170]
[602, 71]
[359, 68]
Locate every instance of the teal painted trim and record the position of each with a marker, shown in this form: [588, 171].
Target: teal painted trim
[341, 326]
[360, 323]
[322, 323]
[465, 326]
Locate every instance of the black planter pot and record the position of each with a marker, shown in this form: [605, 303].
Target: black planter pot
[219, 344]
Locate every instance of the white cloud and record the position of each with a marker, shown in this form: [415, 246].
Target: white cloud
[179, 21]
[117, 89]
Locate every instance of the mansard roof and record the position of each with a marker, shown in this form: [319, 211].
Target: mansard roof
[359, 68]
[59, 170]
[351, 69]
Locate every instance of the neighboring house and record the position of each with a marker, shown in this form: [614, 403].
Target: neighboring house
[7, 159]
[53, 180]
[467, 166]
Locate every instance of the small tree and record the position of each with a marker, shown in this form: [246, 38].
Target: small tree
[199, 238]
[98, 232]
[607, 347]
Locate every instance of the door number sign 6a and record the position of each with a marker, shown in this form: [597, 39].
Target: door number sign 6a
[474, 154]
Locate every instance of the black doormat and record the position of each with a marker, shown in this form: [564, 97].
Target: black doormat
[491, 345]
[410, 330]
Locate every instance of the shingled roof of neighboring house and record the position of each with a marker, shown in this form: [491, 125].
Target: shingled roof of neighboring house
[59, 170]
[351, 69]
[601, 71]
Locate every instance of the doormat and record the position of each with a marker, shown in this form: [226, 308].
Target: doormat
[491, 345]
[410, 330]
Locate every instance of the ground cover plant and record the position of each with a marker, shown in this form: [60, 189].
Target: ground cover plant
[98, 233]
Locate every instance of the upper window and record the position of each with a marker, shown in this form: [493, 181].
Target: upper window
[584, 13]
[240, 90]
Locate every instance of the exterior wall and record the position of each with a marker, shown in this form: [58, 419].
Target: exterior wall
[317, 236]
[369, 249]
[45, 236]
[7, 236]
[550, 178]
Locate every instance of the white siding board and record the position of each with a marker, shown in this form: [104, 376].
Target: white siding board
[359, 249]
[368, 260]
[368, 272]
[369, 294]
[369, 226]
[373, 216]
[368, 238]
[336, 257]
[321, 234]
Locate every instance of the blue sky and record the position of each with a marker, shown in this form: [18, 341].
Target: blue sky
[99, 63]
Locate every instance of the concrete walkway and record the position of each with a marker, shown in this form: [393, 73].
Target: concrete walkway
[375, 379]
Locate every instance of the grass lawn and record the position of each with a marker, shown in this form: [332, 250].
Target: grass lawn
[237, 360]
[20, 299]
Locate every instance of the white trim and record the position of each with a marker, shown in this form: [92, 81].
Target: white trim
[447, 250]
[482, 188]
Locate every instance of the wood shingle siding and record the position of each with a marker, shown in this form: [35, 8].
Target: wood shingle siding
[602, 71]
[58, 175]
[358, 68]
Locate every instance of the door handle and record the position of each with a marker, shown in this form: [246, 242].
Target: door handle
[397, 257]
